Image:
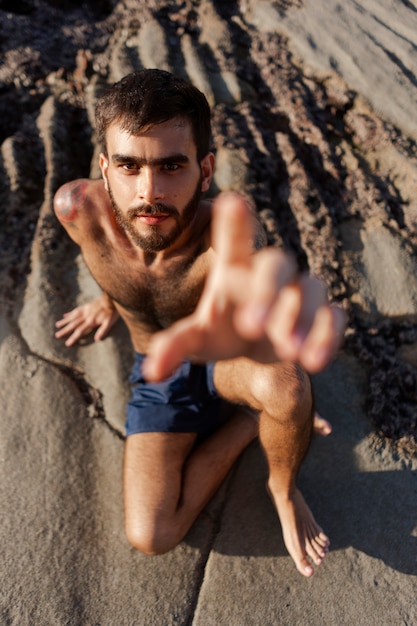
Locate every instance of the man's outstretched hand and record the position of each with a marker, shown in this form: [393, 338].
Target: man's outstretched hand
[253, 305]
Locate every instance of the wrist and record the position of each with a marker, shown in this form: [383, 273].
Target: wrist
[107, 300]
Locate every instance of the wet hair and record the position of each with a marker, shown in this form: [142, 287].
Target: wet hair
[148, 97]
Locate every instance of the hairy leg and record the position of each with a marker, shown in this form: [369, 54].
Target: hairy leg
[168, 479]
[281, 393]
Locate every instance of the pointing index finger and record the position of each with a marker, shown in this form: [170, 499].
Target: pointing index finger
[232, 232]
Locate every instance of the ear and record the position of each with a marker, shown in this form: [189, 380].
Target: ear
[207, 169]
[104, 166]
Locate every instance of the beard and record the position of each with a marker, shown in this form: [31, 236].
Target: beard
[154, 240]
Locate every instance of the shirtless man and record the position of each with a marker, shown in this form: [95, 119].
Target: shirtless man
[183, 277]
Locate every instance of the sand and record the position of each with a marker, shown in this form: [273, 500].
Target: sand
[313, 118]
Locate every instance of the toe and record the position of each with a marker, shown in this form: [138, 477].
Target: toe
[315, 555]
[321, 426]
[318, 550]
[305, 568]
[320, 545]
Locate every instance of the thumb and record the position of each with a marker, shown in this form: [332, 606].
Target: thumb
[168, 348]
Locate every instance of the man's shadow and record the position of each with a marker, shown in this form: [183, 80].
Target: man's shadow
[361, 499]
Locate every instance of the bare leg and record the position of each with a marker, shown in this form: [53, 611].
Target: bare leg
[282, 395]
[168, 480]
[285, 444]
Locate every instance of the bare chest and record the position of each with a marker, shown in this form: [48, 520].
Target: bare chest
[151, 299]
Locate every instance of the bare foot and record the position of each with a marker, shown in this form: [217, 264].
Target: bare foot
[321, 426]
[303, 537]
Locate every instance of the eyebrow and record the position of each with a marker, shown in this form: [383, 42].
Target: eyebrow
[140, 162]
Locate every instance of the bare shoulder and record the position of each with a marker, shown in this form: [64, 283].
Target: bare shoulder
[72, 199]
[78, 206]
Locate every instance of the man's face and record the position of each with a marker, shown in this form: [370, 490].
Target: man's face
[155, 182]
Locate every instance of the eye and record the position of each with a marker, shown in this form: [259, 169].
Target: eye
[171, 167]
[129, 167]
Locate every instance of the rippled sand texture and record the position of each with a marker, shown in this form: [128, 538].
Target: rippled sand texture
[314, 119]
[332, 180]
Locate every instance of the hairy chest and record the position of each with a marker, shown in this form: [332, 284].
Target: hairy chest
[155, 299]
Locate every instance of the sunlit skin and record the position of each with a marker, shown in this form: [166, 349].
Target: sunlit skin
[156, 177]
[194, 276]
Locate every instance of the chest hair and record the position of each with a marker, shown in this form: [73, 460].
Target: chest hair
[155, 299]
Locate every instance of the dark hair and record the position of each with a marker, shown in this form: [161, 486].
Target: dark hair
[148, 97]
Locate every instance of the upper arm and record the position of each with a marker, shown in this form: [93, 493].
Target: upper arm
[69, 206]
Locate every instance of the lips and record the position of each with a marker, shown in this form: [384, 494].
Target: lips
[152, 220]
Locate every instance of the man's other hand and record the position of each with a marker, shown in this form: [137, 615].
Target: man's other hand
[81, 321]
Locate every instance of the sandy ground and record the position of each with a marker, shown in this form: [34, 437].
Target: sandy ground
[313, 117]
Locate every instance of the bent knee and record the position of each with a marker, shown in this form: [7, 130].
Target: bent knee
[152, 540]
[284, 390]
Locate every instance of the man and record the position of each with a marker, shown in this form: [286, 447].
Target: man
[246, 320]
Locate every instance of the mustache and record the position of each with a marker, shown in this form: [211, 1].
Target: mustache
[152, 209]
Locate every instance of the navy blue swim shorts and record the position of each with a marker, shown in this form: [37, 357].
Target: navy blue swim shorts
[187, 402]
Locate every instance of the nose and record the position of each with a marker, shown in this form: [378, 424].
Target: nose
[149, 186]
